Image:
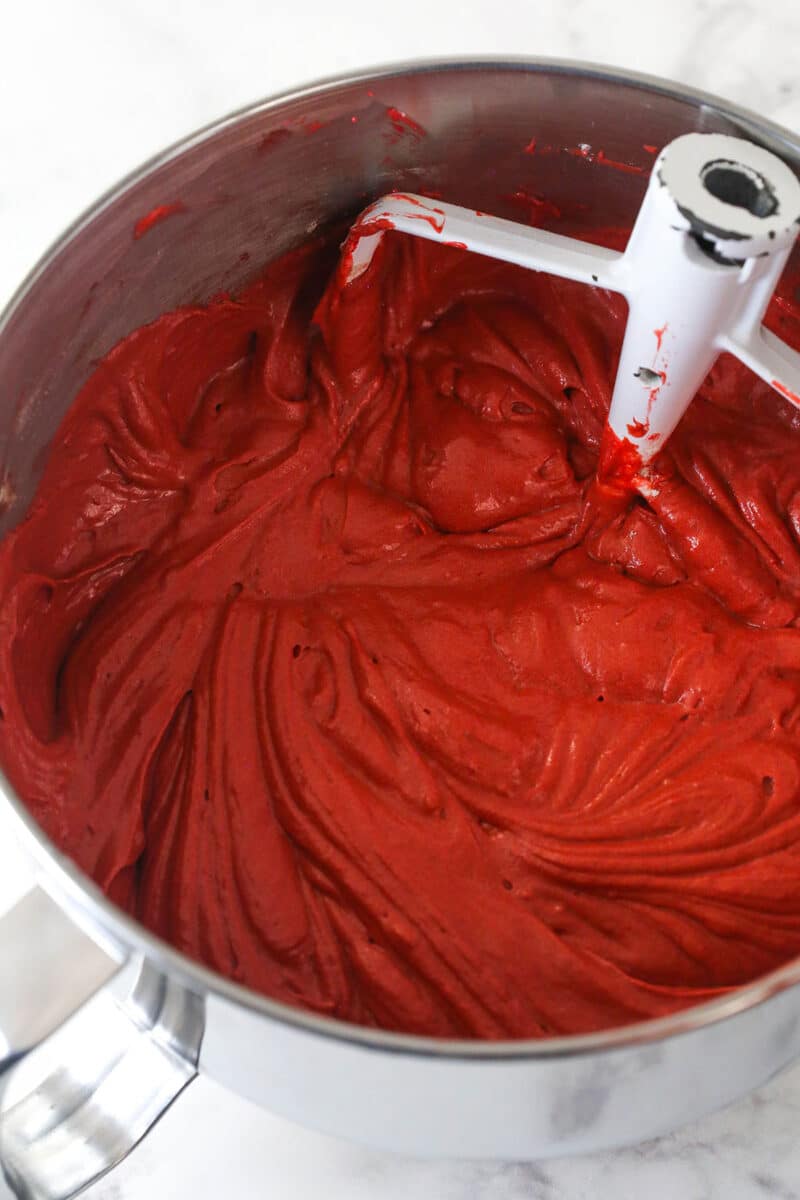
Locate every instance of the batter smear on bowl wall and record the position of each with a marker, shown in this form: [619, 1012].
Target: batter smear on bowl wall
[324, 653]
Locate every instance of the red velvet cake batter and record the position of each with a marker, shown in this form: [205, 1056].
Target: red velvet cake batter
[321, 651]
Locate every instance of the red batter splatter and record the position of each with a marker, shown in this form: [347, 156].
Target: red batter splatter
[584, 150]
[155, 216]
[637, 429]
[630, 168]
[403, 123]
[620, 463]
[786, 392]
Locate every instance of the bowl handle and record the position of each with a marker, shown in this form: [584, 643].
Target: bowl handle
[116, 1042]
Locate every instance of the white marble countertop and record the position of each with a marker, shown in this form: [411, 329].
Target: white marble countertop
[89, 89]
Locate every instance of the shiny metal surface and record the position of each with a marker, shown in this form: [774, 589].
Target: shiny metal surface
[248, 192]
[123, 1042]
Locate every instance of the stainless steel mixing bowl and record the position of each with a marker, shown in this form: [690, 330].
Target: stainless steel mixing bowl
[148, 1019]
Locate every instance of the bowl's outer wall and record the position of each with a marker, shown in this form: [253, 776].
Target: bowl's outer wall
[253, 188]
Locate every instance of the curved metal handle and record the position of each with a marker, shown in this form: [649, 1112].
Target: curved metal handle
[105, 1046]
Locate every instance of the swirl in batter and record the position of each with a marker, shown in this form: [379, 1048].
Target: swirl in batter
[322, 651]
